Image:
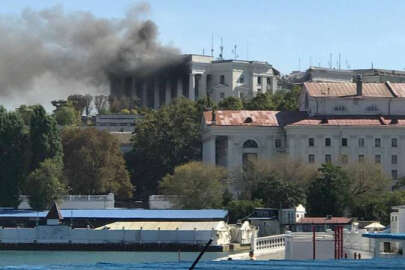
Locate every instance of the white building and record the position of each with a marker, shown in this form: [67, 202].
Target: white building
[337, 122]
[116, 122]
[197, 76]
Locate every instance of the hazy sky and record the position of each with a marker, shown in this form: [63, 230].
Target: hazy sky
[280, 32]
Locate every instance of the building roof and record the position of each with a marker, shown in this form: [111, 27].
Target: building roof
[164, 225]
[252, 118]
[54, 212]
[352, 120]
[348, 89]
[133, 214]
[324, 220]
[282, 119]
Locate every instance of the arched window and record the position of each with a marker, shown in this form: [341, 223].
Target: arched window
[250, 144]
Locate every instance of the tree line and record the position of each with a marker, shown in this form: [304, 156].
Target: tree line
[44, 162]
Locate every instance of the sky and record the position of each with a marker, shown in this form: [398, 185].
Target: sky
[290, 35]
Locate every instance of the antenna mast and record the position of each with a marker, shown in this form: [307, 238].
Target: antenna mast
[212, 45]
[221, 49]
[235, 54]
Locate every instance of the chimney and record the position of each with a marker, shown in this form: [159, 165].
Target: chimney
[359, 85]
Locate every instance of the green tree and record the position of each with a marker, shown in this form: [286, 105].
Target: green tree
[276, 193]
[164, 139]
[94, 163]
[45, 185]
[230, 103]
[239, 209]
[329, 193]
[13, 141]
[260, 102]
[79, 102]
[26, 113]
[44, 138]
[67, 116]
[197, 185]
[287, 99]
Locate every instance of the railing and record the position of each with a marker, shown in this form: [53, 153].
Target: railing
[268, 244]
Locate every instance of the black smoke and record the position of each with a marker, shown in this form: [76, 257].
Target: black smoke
[56, 53]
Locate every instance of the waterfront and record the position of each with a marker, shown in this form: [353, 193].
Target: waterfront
[18, 258]
[226, 265]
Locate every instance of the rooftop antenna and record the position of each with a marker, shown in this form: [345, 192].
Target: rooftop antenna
[235, 54]
[221, 49]
[310, 61]
[339, 61]
[203, 51]
[212, 45]
[330, 60]
[372, 65]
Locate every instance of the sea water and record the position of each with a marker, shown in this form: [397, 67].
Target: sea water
[59, 260]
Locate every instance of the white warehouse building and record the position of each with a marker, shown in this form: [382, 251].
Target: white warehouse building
[337, 122]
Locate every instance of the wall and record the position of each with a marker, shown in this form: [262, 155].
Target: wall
[299, 245]
[298, 146]
[78, 202]
[64, 234]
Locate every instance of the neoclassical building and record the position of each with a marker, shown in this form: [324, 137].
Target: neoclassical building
[337, 122]
[194, 77]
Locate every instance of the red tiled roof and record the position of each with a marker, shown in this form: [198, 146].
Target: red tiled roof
[399, 89]
[351, 120]
[343, 89]
[252, 118]
[324, 220]
[281, 119]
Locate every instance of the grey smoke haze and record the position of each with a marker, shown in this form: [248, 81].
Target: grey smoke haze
[50, 53]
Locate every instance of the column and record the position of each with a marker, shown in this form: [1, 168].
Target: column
[168, 92]
[179, 87]
[191, 90]
[203, 86]
[156, 94]
[376, 248]
[144, 98]
[209, 150]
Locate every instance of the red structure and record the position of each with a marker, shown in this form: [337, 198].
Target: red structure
[338, 242]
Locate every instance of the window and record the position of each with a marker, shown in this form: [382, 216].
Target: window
[344, 159]
[250, 144]
[222, 79]
[259, 80]
[340, 108]
[394, 142]
[377, 159]
[361, 142]
[311, 142]
[372, 108]
[344, 141]
[268, 83]
[361, 158]
[394, 159]
[377, 142]
[241, 79]
[328, 142]
[328, 158]
[222, 95]
[277, 143]
[394, 174]
[311, 158]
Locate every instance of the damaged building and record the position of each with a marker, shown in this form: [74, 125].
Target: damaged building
[195, 77]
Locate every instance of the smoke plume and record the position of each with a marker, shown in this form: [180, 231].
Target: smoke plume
[50, 53]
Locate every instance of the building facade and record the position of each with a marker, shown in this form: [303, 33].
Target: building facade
[194, 77]
[337, 122]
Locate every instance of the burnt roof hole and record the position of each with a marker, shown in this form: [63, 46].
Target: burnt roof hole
[248, 120]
